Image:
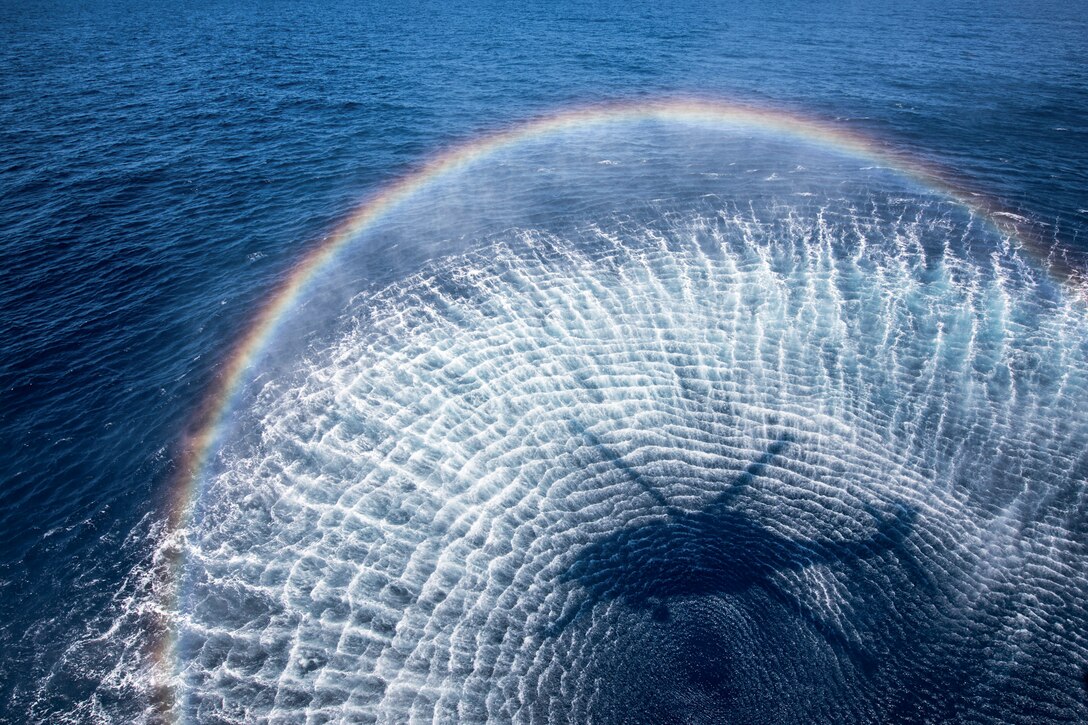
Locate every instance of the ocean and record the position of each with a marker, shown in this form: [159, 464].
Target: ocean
[611, 362]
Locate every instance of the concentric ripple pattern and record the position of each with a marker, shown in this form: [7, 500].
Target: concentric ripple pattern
[678, 437]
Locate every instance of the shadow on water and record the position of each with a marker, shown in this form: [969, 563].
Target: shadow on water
[718, 551]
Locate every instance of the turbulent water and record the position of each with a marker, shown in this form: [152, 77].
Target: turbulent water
[643, 420]
[798, 441]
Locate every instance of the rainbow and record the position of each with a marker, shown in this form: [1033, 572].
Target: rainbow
[209, 422]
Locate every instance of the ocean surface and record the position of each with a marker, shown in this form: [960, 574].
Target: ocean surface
[675, 412]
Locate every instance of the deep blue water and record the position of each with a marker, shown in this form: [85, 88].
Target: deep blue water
[163, 167]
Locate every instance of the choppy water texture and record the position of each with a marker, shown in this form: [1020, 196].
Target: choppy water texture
[648, 421]
[798, 440]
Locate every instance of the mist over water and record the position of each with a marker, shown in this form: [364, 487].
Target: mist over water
[797, 439]
[649, 421]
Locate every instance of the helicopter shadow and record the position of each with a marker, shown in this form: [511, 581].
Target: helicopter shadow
[718, 551]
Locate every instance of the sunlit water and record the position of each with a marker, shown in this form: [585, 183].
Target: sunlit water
[692, 424]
